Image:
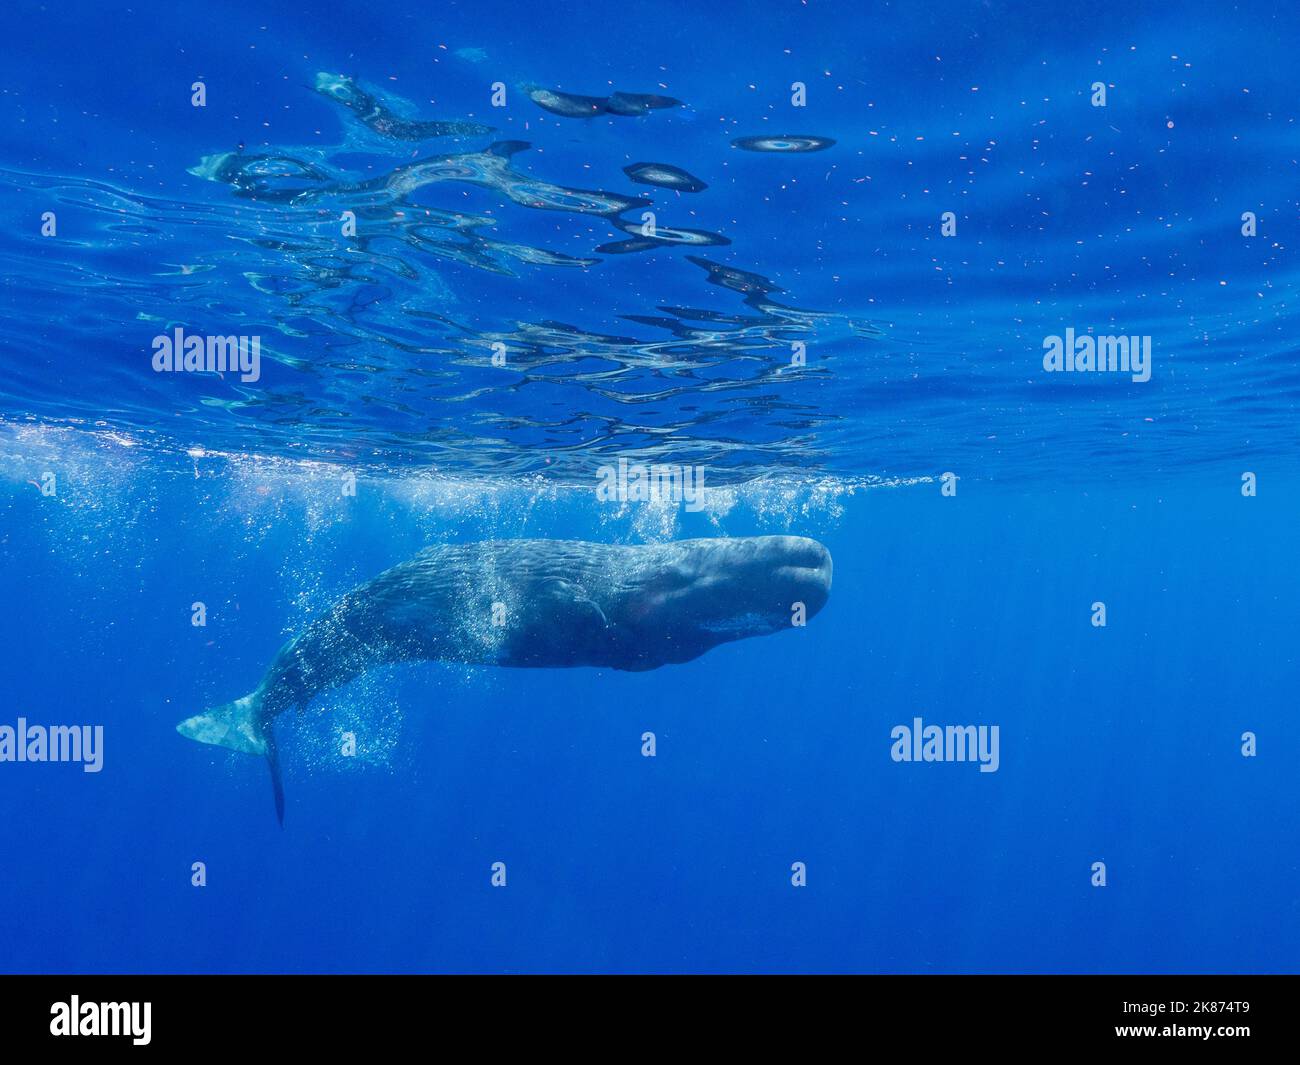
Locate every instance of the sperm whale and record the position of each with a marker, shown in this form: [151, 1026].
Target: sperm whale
[533, 604]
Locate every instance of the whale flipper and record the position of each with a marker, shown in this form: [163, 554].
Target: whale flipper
[277, 784]
[240, 726]
[568, 595]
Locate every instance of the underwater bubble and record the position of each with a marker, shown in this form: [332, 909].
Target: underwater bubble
[665, 176]
[789, 143]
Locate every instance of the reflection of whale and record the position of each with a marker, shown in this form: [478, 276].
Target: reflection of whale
[380, 119]
[643, 237]
[793, 142]
[571, 105]
[281, 179]
[664, 175]
[533, 603]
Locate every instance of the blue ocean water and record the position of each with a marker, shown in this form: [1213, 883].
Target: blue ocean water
[128, 495]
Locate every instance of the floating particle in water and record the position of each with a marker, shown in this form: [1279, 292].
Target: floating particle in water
[789, 143]
[665, 176]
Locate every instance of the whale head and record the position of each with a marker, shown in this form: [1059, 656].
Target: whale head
[689, 596]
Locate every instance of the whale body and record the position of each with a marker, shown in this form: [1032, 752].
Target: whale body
[538, 604]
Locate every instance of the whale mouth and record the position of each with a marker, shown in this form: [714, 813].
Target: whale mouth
[805, 565]
[737, 627]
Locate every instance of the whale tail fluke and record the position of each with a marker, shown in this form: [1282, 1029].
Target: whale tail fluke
[240, 726]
